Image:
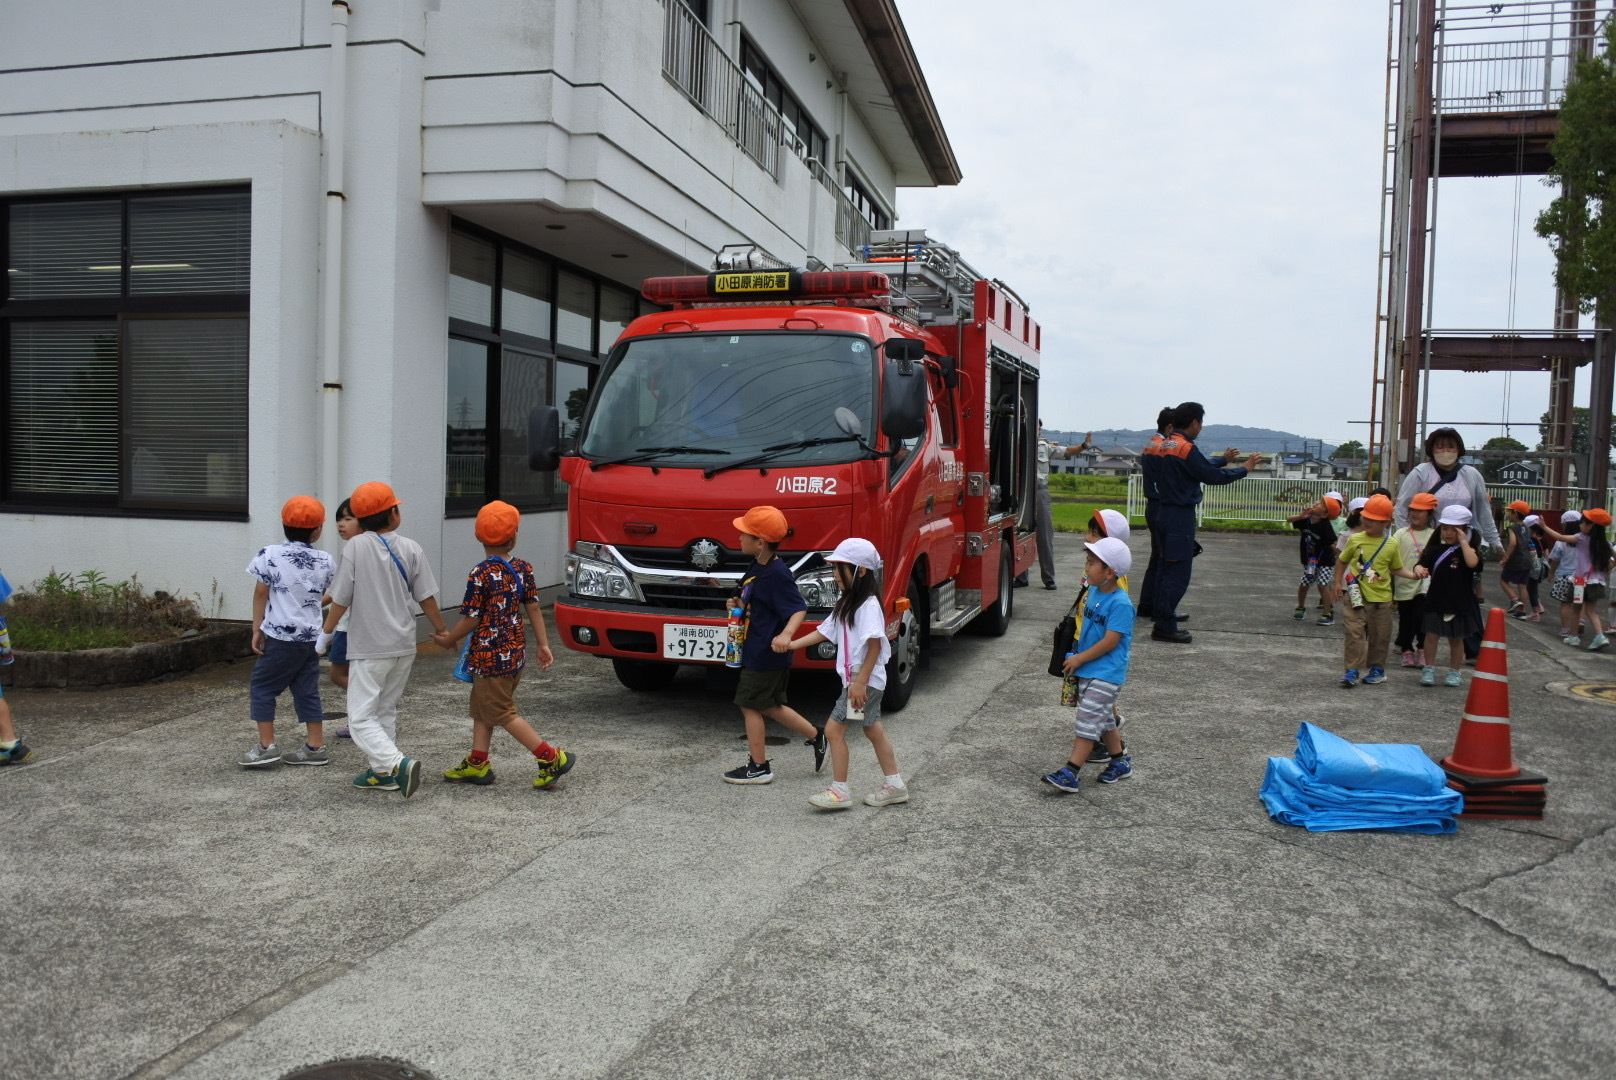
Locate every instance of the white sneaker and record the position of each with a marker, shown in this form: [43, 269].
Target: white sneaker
[831, 799]
[887, 796]
[1599, 641]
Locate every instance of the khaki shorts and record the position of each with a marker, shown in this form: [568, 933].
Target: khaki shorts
[762, 690]
[493, 699]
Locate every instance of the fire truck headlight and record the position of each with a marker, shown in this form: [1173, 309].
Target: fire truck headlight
[825, 651]
[818, 587]
[591, 577]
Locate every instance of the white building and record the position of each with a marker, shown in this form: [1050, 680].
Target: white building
[257, 249]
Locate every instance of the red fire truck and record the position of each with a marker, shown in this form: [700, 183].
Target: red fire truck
[894, 399]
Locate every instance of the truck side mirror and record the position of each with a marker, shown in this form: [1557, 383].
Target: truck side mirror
[544, 439]
[906, 351]
[903, 398]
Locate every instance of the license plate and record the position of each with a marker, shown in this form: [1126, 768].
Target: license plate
[684, 642]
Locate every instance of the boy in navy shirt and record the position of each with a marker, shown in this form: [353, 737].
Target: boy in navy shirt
[1100, 664]
[773, 610]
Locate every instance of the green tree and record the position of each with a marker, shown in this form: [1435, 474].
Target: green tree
[1490, 466]
[1582, 233]
[1352, 450]
[1579, 430]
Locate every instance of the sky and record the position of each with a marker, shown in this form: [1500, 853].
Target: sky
[1188, 195]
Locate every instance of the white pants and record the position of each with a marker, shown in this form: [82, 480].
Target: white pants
[374, 687]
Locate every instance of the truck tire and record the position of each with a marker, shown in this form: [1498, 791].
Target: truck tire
[644, 674]
[996, 620]
[904, 666]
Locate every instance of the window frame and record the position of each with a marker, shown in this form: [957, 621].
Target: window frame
[120, 309]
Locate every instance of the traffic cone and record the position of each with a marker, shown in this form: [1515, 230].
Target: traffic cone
[1482, 767]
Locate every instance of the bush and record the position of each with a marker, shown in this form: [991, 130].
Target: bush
[68, 612]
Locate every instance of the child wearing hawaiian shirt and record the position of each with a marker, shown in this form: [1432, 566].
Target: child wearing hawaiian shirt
[498, 591]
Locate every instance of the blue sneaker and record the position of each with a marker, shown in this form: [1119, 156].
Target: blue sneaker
[1350, 679]
[1064, 778]
[1375, 676]
[371, 781]
[1120, 769]
[16, 755]
[408, 775]
[1326, 619]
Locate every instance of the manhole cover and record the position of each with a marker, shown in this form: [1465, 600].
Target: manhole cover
[370, 1068]
[1602, 692]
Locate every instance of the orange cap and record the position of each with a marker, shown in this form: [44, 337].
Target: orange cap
[1597, 516]
[1520, 506]
[372, 498]
[1423, 501]
[303, 512]
[497, 523]
[1378, 508]
[1332, 506]
[765, 523]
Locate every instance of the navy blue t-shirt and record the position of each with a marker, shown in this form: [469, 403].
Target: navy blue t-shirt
[769, 595]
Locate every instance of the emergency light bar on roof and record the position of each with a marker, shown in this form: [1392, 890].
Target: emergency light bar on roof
[768, 286]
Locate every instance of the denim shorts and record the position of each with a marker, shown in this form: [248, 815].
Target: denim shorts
[339, 647]
[872, 709]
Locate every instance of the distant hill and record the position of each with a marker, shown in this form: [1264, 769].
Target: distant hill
[1215, 438]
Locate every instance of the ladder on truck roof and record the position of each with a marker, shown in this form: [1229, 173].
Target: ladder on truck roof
[931, 283]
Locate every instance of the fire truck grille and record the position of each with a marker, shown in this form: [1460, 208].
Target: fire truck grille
[688, 597]
[730, 562]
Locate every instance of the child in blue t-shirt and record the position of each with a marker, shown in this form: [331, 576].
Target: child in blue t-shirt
[1100, 664]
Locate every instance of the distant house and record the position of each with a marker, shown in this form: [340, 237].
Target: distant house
[1350, 468]
[1302, 467]
[1118, 460]
[1521, 474]
[1077, 465]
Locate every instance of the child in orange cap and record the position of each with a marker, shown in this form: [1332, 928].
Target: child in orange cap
[292, 580]
[1368, 562]
[1410, 595]
[1592, 569]
[498, 591]
[1517, 557]
[1317, 525]
[772, 610]
[381, 580]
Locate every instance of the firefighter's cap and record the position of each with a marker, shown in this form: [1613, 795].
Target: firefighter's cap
[856, 551]
[372, 498]
[303, 512]
[765, 523]
[1113, 552]
[497, 523]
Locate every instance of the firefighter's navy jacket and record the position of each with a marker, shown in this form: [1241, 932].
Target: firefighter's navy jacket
[1174, 470]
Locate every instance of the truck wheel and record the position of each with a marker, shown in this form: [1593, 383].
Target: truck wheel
[996, 620]
[904, 666]
[644, 674]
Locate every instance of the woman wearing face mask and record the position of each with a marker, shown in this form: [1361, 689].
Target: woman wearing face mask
[1453, 484]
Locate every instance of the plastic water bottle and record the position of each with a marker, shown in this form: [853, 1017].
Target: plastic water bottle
[737, 637]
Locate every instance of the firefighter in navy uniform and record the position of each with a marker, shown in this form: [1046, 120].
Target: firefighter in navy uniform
[1179, 470]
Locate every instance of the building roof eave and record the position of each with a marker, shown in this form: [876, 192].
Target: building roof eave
[881, 27]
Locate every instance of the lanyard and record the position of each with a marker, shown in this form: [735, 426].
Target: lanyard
[1364, 564]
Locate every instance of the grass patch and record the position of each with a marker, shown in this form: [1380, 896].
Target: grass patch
[70, 612]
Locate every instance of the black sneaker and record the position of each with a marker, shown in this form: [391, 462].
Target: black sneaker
[1101, 756]
[818, 743]
[750, 773]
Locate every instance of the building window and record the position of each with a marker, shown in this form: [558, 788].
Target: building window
[799, 131]
[865, 204]
[123, 352]
[524, 330]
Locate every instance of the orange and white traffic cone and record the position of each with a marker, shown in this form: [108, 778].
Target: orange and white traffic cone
[1482, 765]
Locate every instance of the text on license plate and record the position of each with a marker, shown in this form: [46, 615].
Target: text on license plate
[685, 642]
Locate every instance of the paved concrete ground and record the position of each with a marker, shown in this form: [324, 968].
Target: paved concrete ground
[169, 914]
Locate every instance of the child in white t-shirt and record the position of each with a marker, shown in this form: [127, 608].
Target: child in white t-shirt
[857, 627]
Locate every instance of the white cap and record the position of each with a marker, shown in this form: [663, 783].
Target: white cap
[1337, 496]
[1570, 517]
[1531, 519]
[1113, 552]
[1357, 504]
[857, 551]
[1115, 523]
[1454, 514]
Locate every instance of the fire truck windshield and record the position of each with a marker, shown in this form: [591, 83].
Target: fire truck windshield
[682, 398]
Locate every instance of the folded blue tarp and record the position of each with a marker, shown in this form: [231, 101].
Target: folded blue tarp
[1334, 785]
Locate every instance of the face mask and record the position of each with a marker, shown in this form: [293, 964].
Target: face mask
[1446, 458]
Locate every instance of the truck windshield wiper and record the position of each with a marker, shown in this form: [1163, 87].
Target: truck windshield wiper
[774, 451]
[646, 453]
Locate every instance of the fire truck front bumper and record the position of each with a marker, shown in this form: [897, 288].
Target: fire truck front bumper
[672, 635]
